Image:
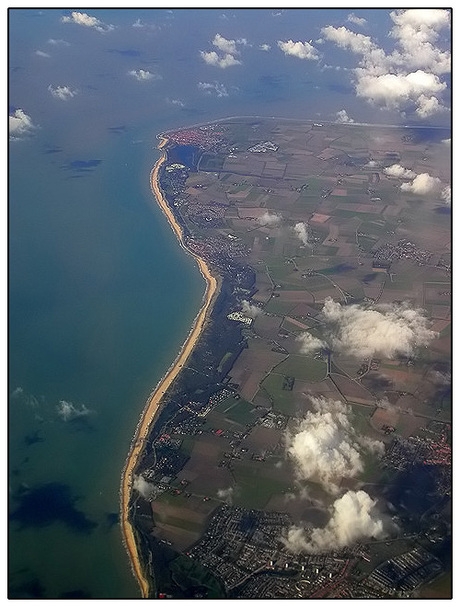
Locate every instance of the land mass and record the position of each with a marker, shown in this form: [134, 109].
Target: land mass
[300, 230]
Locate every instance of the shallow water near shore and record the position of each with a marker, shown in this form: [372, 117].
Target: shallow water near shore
[97, 314]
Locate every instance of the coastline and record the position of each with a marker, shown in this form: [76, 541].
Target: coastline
[153, 403]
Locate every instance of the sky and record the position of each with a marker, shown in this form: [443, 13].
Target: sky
[341, 65]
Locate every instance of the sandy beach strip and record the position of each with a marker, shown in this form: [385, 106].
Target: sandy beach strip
[153, 403]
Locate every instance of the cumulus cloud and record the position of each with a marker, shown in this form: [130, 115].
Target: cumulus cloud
[395, 91]
[87, 21]
[354, 516]
[422, 184]
[144, 75]
[301, 231]
[143, 487]
[62, 92]
[324, 447]
[408, 78]
[264, 47]
[309, 343]
[224, 45]
[343, 117]
[398, 171]
[388, 330]
[352, 18]
[249, 309]
[302, 50]
[19, 124]
[213, 87]
[212, 58]
[67, 411]
[42, 54]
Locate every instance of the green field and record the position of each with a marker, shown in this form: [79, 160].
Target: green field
[255, 489]
[284, 401]
[187, 572]
[302, 367]
[238, 410]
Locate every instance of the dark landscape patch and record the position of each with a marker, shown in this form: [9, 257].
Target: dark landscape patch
[50, 503]
[31, 439]
[32, 589]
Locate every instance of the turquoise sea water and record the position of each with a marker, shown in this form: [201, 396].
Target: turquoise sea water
[97, 292]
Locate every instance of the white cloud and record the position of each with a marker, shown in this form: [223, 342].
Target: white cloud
[213, 87]
[68, 411]
[87, 21]
[302, 50]
[416, 32]
[408, 78]
[323, 447]
[269, 219]
[62, 92]
[423, 184]
[345, 38]
[19, 123]
[249, 309]
[446, 194]
[395, 91]
[343, 117]
[42, 54]
[264, 47]
[301, 231]
[144, 75]
[212, 58]
[398, 171]
[353, 517]
[352, 18]
[309, 343]
[224, 45]
[143, 487]
[387, 331]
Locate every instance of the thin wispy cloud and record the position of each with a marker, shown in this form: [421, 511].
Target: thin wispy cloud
[62, 92]
[177, 102]
[216, 88]
[67, 411]
[352, 18]
[58, 42]
[42, 54]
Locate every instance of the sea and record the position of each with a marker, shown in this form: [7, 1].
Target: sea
[100, 295]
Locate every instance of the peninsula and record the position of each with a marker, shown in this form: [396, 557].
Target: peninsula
[300, 444]
[154, 401]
